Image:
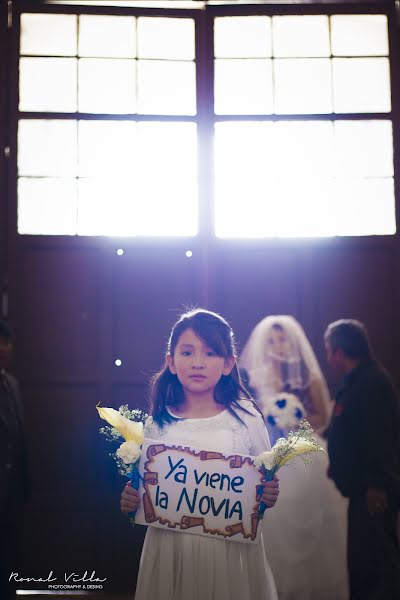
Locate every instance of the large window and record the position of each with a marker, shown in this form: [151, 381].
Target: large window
[318, 158]
[118, 116]
[99, 151]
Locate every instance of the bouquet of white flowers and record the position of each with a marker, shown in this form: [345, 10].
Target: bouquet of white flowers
[125, 425]
[300, 443]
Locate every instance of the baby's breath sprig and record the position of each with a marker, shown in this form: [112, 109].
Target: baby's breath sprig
[300, 443]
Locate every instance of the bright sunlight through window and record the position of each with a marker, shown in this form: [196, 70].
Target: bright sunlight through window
[297, 119]
[301, 177]
[99, 175]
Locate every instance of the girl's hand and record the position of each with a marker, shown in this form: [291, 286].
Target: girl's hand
[130, 499]
[270, 492]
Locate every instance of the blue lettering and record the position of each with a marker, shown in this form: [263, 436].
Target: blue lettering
[237, 508]
[205, 500]
[200, 479]
[184, 495]
[237, 481]
[179, 477]
[217, 510]
[215, 477]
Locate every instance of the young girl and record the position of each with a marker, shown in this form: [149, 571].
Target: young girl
[307, 536]
[198, 400]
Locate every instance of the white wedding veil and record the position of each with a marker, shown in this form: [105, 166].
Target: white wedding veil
[300, 366]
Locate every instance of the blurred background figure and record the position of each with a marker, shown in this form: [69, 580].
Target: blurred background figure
[364, 453]
[13, 470]
[284, 374]
[306, 536]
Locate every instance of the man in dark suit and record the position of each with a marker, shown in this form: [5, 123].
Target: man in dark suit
[13, 469]
[364, 454]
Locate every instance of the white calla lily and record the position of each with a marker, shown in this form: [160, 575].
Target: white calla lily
[131, 431]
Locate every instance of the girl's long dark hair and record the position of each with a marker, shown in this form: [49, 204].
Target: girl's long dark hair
[166, 389]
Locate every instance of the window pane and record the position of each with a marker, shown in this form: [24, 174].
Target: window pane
[258, 178]
[47, 84]
[166, 38]
[301, 36]
[47, 148]
[159, 198]
[299, 207]
[285, 149]
[303, 208]
[364, 148]
[107, 36]
[359, 35]
[247, 209]
[302, 86]
[107, 147]
[49, 35]
[243, 164]
[242, 37]
[364, 207]
[361, 85]
[302, 149]
[107, 207]
[167, 179]
[166, 88]
[243, 86]
[277, 179]
[243, 147]
[107, 85]
[47, 206]
[273, 208]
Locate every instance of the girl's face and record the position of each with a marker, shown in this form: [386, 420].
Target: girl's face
[196, 365]
[277, 343]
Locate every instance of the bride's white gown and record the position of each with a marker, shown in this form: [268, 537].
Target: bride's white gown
[180, 566]
[305, 534]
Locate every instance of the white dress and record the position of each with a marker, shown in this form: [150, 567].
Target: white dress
[181, 566]
[305, 535]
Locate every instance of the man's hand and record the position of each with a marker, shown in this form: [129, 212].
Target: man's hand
[376, 501]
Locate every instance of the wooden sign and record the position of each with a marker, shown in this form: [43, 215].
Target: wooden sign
[197, 491]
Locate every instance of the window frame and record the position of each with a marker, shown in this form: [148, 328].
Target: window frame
[205, 117]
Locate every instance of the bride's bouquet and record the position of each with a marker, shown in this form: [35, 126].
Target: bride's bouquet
[127, 425]
[300, 443]
[284, 410]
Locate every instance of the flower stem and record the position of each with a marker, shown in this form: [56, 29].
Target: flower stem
[268, 476]
[135, 480]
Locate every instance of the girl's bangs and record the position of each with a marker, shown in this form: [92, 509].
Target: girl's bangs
[213, 337]
[210, 328]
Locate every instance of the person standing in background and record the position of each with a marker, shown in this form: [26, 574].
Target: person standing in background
[305, 540]
[14, 481]
[364, 453]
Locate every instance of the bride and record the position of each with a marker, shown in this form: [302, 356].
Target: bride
[306, 538]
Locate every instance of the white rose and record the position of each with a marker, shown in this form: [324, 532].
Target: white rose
[265, 459]
[129, 452]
